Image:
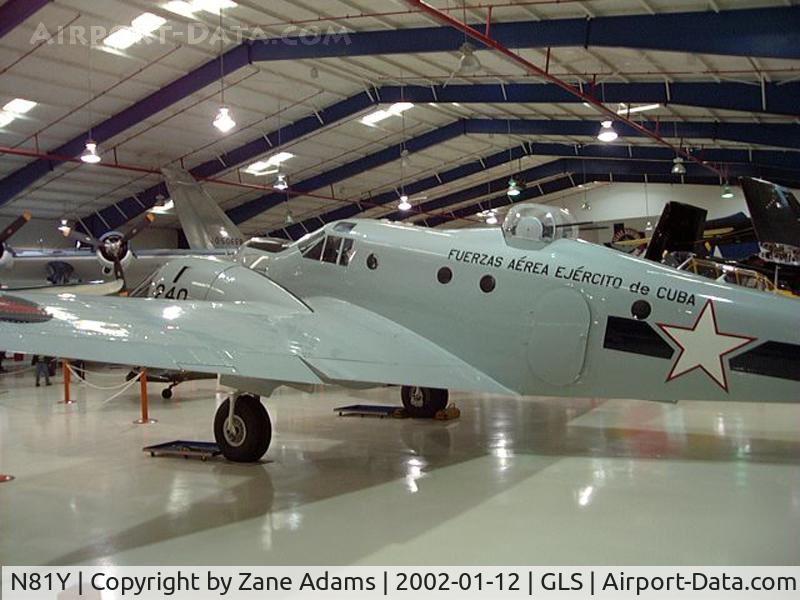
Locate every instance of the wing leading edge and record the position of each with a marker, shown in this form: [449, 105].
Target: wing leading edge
[334, 343]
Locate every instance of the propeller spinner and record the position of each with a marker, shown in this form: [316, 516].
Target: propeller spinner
[113, 249]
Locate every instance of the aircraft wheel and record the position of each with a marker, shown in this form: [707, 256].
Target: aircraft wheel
[166, 393]
[423, 403]
[246, 437]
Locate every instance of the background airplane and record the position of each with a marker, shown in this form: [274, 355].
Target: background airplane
[363, 303]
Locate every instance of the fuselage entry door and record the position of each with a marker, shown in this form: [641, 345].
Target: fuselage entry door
[559, 335]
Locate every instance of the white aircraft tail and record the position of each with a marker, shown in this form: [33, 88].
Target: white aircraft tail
[204, 223]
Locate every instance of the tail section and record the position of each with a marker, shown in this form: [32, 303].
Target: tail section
[775, 213]
[205, 224]
[680, 229]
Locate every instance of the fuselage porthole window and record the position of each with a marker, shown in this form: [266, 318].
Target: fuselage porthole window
[487, 284]
[372, 262]
[445, 275]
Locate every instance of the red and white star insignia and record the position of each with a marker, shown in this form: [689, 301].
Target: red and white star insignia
[703, 346]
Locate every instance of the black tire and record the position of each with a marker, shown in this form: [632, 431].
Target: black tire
[253, 424]
[166, 393]
[423, 403]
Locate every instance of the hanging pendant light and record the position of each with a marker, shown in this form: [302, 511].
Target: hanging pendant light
[491, 218]
[514, 188]
[678, 168]
[223, 121]
[404, 204]
[468, 63]
[90, 154]
[607, 132]
[727, 192]
[281, 183]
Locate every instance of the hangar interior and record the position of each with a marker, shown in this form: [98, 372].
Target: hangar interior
[344, 109]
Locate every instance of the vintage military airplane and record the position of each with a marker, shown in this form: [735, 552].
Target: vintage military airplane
[521, 309]
[111, 257]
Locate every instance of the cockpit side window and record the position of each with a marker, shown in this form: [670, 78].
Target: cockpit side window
[315, 251]
[332, 247]
[348, 252]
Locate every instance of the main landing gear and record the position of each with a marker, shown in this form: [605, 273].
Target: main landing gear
[423, 403]
[242, 428]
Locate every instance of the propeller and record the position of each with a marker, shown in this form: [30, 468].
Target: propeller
[9, 231]
[6, 257]
[113, 247]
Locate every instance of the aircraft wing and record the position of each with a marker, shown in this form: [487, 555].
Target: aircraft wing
[328, 341]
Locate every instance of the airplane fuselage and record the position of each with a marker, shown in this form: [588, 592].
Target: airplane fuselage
[567, 318]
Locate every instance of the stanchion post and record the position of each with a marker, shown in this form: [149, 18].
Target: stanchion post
[67, 380]
[145, 420]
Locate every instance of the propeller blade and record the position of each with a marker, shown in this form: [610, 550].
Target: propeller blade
[139, 227]
[14, 227]
[119, 274]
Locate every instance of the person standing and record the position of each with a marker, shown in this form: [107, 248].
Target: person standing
[42, 364]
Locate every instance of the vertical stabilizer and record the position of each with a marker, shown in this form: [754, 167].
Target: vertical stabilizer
[680, 229]
[204, 223]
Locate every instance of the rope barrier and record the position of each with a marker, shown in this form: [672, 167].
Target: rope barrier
[17, 371]
[124, 384]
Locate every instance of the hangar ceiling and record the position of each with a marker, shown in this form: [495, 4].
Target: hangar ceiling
[725, 74]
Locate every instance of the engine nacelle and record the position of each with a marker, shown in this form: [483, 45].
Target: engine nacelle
[112, 245]
[6, 257]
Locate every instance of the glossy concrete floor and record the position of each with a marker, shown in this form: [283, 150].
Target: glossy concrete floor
[514, 481]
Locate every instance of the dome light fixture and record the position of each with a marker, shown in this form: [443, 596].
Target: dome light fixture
[223, 121]
[90, 154]
[607, 132]
[468, 64]
[404, 204]
[678, 168]
[514, 188]
[727, 192]
[281, 183]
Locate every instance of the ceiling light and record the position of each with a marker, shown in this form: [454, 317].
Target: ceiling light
[514, 188]
[649, 226]
[122, 39]
[375, 117]
[586, 206]
[727, 192]
[269, 166]
[147, 23]
[19, 106]
[6, 118]
[678, 167]
[607, 133]
[281, 183]
[404, 204]
[468, 64]
[400, 107]
[213, 6]
[223, 121]
[379, 115]
[491, 218]
[90, 154]
[630, 110]
[179, 7]
[163, 209]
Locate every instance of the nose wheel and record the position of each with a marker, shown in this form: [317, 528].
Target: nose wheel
[242, 428]
[423, 403]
